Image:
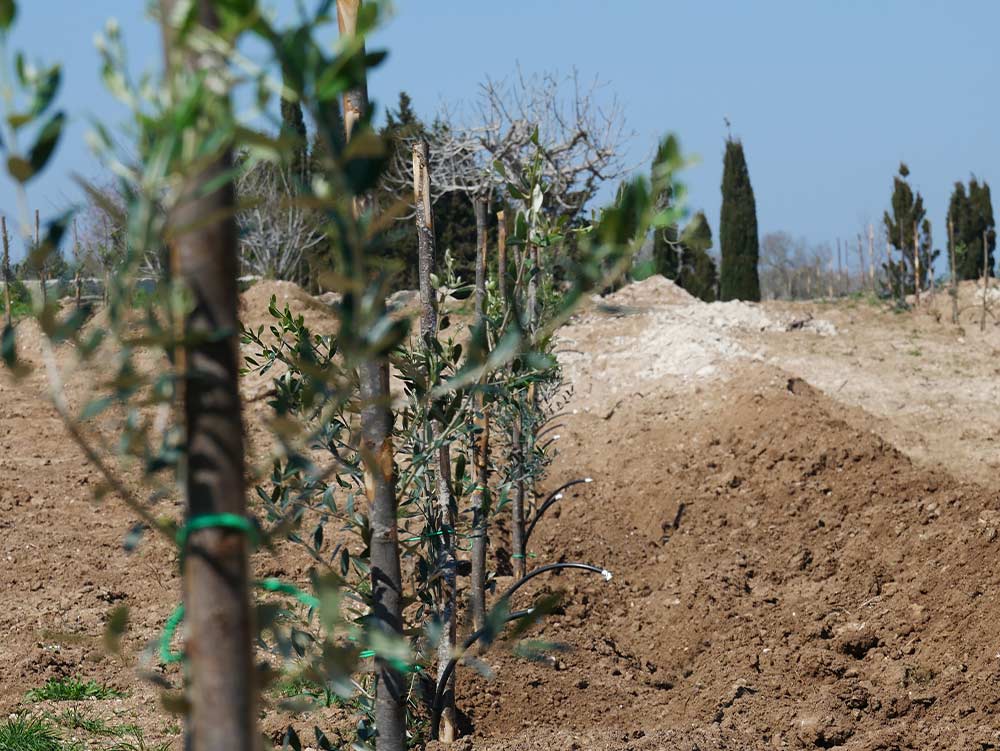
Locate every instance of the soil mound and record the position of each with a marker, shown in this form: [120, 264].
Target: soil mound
[255, 301]
[653, 291]
[782, 580]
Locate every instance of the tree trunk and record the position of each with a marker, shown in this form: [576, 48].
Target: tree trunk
[871, 257]
[533, 281]
[480, 448]
[380, 475]
[223, 695]
[6, 268]
[518, 551]
[446, 607]
[78, 283]
[502, 259]
[481, 207]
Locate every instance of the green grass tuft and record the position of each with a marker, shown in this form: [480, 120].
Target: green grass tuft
[28, 733]
[138, 743]
[72, 689]
[77, 720]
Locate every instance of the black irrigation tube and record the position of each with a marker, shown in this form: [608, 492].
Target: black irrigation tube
[553, 567]
[552, 499]
[442, 682]
[549, 429]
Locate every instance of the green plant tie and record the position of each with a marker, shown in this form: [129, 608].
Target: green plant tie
[276, 586]
[212, 521]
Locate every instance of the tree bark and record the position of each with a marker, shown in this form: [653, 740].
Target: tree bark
[502, 259]
[202, 236]
[480, 211]
[446, 607]
[480, 448]
[380, 474]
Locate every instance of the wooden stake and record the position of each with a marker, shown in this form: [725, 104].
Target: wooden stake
[6, 269]
[42, 275]
[202, 234]
[954, 275]
[871, 257]
[840, 271]
[916, 264]
[76, 261]
[986, 282]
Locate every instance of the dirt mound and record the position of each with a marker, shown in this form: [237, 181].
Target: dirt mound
[782, 580]
[653, 291]
[255, 300]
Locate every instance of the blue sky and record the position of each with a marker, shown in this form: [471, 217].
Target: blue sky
[827, 96]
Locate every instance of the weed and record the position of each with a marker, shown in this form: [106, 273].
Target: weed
[138, 743]
[28, 733]
[77, 720]
[72, 689]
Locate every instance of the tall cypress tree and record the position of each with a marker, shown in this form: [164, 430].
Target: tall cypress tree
[908, 217]
[971, 215]
[293, 125]
[697, 268]
[738, 239]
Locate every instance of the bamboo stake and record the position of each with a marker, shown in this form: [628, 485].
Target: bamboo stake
[447, 605]
[380, 472]
[202, 235]
[6, 269]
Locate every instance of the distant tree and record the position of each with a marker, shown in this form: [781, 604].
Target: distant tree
[293, 126]
[908, 217]
[697, 268]
[738, 240]
[971, 214]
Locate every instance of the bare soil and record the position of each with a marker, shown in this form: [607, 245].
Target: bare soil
[797, 503]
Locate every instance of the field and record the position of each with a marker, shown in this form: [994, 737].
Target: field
[797, 501]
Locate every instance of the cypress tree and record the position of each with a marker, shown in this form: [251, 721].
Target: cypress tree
[908, 216]
[738, 239]
[697, 268]
[971, 214]
[293, 125]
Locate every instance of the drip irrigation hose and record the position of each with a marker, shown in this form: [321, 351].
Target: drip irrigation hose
[449, 668]
[553, 567]
[553, 497]
[439, 689]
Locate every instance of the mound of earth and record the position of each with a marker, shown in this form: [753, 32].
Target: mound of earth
[782, 580]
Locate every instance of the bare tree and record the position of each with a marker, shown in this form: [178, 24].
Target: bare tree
[514, 121]
[275, 232]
